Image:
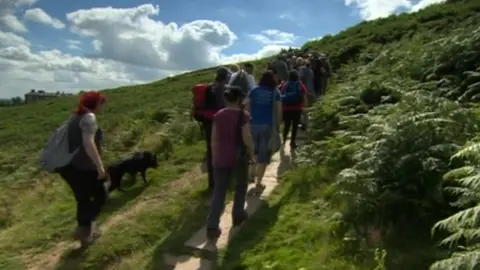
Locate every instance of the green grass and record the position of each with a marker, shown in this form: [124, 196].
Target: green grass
[293, 231]
[37, 210]
[380, 142]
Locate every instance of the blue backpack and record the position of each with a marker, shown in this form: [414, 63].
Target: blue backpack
[292, 94]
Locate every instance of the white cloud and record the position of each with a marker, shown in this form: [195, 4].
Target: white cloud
[74, 44]
[7, 14]
[132, 36]
[266, 51]
[131, 47]
[10, 40]
[40, 16]
[274, 36]
[374, 9]
[315, 38]
[425, 3]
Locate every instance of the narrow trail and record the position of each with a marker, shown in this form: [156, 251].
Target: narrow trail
[50, 258]
[281, 161]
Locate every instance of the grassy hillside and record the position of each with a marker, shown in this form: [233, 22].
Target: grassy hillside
[367, 190]
[37, 209]
[371, 186]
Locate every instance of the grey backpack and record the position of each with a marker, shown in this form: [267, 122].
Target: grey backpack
[56, 153]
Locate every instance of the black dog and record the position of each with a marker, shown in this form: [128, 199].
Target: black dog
[138, 163]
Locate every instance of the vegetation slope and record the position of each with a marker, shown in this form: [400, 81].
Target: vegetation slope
[392, 152]
[390, 178]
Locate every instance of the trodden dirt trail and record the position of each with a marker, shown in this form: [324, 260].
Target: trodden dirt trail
[50, 258]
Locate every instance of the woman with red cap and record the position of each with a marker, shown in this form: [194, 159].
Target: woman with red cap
[86, 174]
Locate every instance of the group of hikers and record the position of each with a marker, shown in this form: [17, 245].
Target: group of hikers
[241, 121]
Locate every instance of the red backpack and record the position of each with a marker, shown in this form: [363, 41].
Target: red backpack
[202, 110]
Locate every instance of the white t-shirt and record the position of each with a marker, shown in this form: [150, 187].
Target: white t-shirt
[251, 79]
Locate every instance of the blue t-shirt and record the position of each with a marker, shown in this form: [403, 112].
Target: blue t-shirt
[261, 105]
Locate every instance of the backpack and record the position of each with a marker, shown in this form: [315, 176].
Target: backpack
[201, 109]
[240, 79]
[56, 154]
[292, 94]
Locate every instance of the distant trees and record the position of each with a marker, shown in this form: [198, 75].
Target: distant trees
[15, 101]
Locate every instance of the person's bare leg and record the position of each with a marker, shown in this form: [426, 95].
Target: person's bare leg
[259, 173]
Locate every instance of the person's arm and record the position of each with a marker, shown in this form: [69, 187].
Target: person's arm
[88, 125]
[304, 91]
[247, 102]
[247, 139]
[214, 135]
[278, 105]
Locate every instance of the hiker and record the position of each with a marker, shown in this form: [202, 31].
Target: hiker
[208, 99]
[86, 174]
[234, 69]
[261, 103]
[306, 76]
[328, 72]
[298, 63]
[281, 67]
[242, 80]
[293, 62]
[294, 96]
[248, 67]
[322, 72]
[271, 68]
[232, 148]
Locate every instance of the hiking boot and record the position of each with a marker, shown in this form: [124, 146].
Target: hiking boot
[213, 234]
[237, 221]
[87, 235]
[78, 233]
[96, 232]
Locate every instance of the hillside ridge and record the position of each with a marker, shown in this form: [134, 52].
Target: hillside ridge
[395, 134]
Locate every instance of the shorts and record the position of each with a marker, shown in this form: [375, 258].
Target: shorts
[261, 136]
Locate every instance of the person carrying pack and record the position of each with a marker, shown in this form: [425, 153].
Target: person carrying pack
[207, 101]
[281, 67]
[322, 71]
[73, 151]
[204, 106]
[294, 96]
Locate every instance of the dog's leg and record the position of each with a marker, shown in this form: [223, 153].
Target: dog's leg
[144, 177]
[134, 178]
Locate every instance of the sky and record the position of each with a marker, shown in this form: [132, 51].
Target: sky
[59, 45]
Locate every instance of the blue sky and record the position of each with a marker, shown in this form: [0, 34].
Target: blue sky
[309, 19]
[92, 44]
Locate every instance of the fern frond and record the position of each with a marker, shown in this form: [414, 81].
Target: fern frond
[468, 218]
[472, 182]
[469, 152]
[459, 172]
[459, 261]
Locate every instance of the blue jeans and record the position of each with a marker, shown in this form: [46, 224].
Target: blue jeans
[261, 136]
[222, 178]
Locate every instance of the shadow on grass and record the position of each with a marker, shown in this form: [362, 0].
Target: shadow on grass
[254, 230]
[72, 258]
[115, 203]
[249, 235]
[192, 218]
